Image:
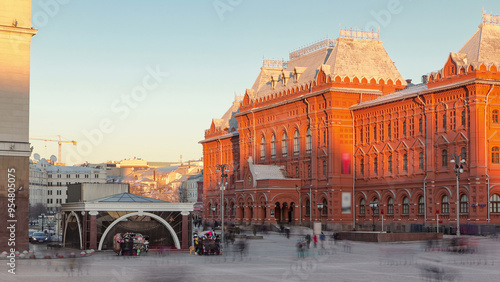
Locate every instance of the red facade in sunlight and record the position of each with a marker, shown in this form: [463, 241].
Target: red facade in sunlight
[337, 125]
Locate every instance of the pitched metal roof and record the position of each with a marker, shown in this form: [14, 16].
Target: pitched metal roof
[127, 198]
[348, 57]
[268, 172]
[227, 120]
[483, 47]
[395, 96]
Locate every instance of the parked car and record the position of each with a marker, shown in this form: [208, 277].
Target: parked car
[30, 233]
[39, 237]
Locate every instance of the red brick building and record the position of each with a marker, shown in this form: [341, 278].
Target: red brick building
[337, 125]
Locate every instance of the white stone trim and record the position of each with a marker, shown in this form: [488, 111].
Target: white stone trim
[161, 220]
[79, 229]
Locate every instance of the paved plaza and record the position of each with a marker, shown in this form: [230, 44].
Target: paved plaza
[275, 258]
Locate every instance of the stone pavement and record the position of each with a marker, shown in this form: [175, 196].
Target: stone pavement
[275, 258]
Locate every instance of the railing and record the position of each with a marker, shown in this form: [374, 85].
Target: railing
[311, 48]
[491, 18]
[274, 63]
[359, 34]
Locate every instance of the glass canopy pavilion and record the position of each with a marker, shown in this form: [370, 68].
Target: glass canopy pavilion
[92, 224]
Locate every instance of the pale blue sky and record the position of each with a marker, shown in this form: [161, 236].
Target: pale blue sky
[88, 54]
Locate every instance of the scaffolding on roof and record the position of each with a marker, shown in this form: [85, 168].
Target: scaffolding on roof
[490, 18]
[359, 34]
[274, 63]
[327, 42]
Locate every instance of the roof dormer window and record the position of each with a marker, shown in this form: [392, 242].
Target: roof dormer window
[274, 81]
[285, 76]
[297, 72]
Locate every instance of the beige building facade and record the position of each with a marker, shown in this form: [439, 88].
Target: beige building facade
[15, 42]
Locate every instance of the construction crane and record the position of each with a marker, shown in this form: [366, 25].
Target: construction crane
[59, 142]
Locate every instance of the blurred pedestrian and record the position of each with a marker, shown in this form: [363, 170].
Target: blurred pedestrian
[322, 238]
[315, 240]
[300, 248]
[308, 240]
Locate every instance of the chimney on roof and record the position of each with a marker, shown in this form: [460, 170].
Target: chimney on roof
[408, 81]
[424, 79]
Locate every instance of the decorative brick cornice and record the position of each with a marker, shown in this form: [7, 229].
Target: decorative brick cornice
[30, 31]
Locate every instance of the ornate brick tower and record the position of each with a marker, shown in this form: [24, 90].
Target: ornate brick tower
[15, 41]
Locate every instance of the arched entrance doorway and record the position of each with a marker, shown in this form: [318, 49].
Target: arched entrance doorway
[159, 219]
[284, 212]
[291, 212]
[277, 212]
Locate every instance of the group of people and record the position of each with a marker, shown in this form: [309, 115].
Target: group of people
[321, 237]
[208, 244]
[305, 243]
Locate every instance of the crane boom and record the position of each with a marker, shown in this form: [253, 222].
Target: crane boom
[59, 142]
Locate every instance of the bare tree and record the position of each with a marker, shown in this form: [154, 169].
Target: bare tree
[36, 210]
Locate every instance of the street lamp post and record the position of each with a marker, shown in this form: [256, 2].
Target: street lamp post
[459, 162]
[373, 205]
[58, 227]
[300, 205]
[320, 207]
[43, 217]
[310, 205]
[222, 168]
[213, 211]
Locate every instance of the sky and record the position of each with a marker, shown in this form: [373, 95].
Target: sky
[145, 78]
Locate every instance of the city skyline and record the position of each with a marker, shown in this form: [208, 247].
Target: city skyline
[144, 82]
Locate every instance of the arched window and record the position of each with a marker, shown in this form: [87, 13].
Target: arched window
[233, 209]
[421, 160]
[389, 130]
[405, 162]
[464, 204]
[445, 205]
[406, 205]
[390, 206]
[362, 210]
[362, 166]
[389, 164]
[273, 147]
[463, 117]
[420, 125]
[284, 146]
[361, 135]
[444, 158]
[308, 141]
[376, 211]
[296, 144]
[325, 207]
[495, 203]
[495, 155]
[375, 133]
[421, 205]
[308, 207]
[404, 128]
[262, 149]
[444, 121]
[375, 165]
[325, 168]
[494, 116]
